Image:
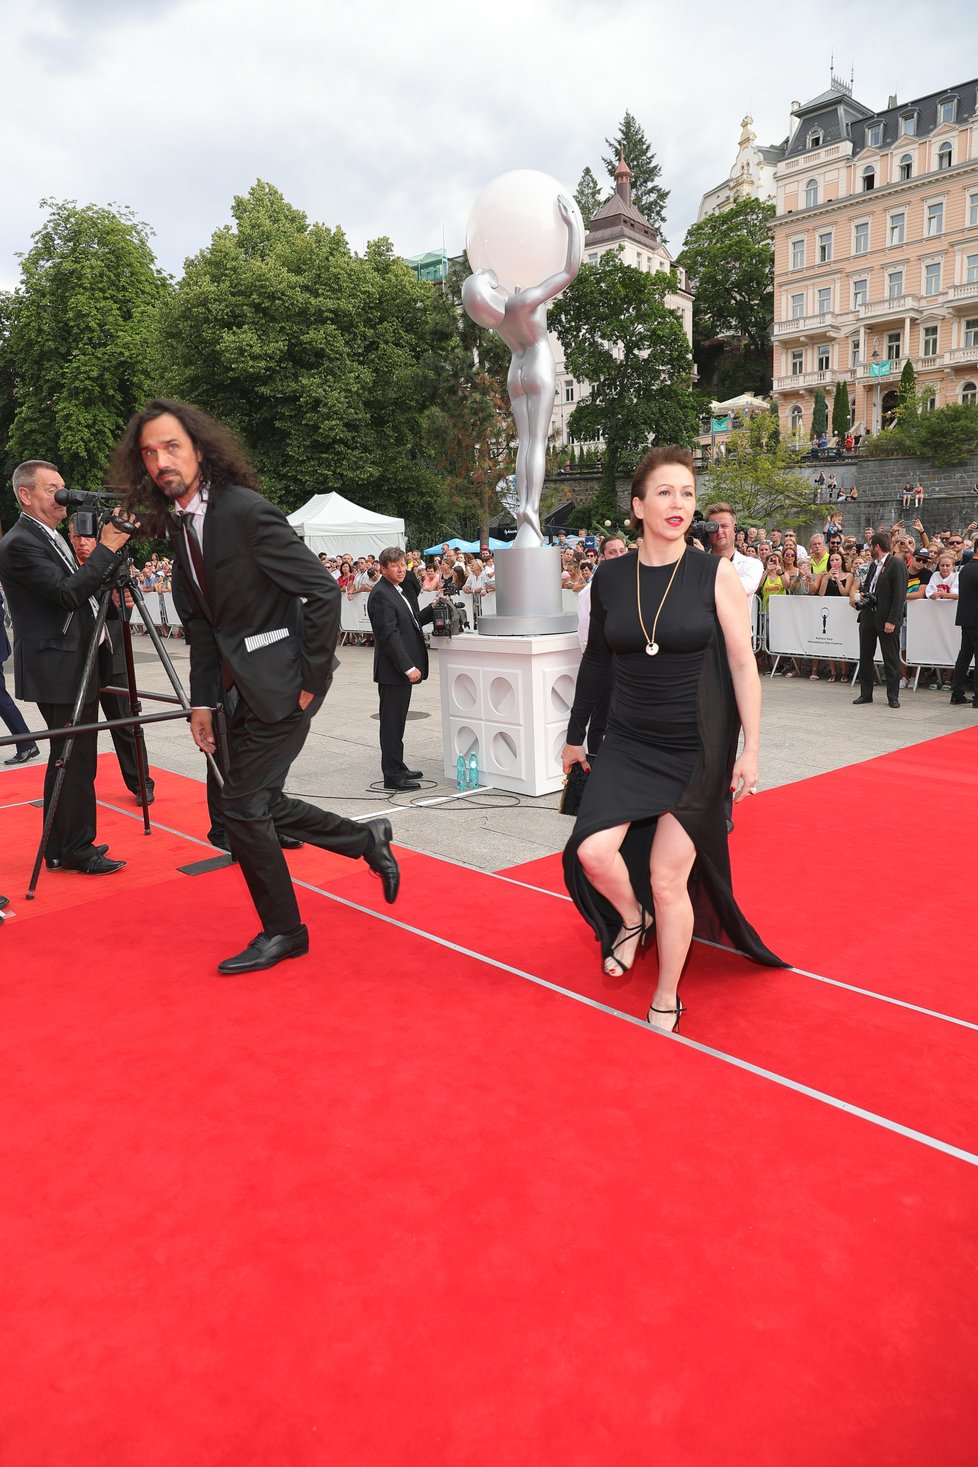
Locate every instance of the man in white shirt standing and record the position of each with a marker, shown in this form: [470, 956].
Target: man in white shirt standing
[749, 570]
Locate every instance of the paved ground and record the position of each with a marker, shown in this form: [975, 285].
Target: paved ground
[808, 728]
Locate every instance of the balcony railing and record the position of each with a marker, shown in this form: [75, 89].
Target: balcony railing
[893, 305]
[966, 293]
[795, 381]
[822, 321]
[961, 356]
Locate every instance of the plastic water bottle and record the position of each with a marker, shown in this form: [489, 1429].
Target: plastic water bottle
[473, 771]
[461, 773]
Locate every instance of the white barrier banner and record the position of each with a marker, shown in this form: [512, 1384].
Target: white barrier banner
[812, 626]
[932, 638]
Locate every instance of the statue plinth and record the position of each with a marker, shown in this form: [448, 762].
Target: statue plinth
[528, 595]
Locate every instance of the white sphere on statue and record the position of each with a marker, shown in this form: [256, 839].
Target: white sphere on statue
[515, 228]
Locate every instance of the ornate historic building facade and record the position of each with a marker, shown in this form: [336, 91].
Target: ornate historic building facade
[751, 177]
[876, 253]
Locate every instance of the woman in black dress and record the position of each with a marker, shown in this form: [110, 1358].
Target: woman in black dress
[649, 848]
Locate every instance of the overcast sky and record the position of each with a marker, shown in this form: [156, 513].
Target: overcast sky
[389, 118]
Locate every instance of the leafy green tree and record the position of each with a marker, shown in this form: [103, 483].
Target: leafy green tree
[8, 406]
[619, 335]
[648, 195]
[820, 414]
[589, 196]
[729, 262]
[907, 405]
[949, 435]
[759, 478]
[79, 337]
[840, 411]
[313, 354]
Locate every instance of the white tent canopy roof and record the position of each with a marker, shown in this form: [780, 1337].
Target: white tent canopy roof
[745, 403]
[330, 524]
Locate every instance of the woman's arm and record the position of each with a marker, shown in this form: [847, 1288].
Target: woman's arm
[734, 617]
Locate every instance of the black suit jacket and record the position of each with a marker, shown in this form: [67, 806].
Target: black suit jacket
[891, 593]
[398, 642]
[4, 640]
[272, 611]
[967, 612]
[49, 607]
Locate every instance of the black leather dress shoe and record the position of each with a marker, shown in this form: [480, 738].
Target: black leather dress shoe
[289, 843]
[95, 866]
[401, 784]
[856, 701]
[3, 902]
[25, 757]
[893, 702]
[53, 863]
[267, 949]
[414, 774]
[381, 858]
[957, 699]
[150, 796]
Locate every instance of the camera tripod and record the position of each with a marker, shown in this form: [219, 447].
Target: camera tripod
[120, 585]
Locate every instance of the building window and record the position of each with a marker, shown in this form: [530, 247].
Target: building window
[898, 226]
[796, 421]
[592, 258]
[811, 193]
[815, 138]
[797, 363]
[894, 345]
[929, 341]
[797, 306]
[568, 392]
[894, 284]
[930, 402]
[932, 278]
[822, 359]
[973, 211]
[874, 134]
[944, 155]
[947, 110]
[797, 254]
[824, 248]
[971, 331]
[860, 239]
[824, 300]
[905, 167]
[860, 293]
[869, 179]
[969, 393]
[854, 353]
[935, 219]
[908, 124]
[971, 270]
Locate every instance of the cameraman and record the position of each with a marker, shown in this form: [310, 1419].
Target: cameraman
[880, 608]
[53, 607]
[750, 571]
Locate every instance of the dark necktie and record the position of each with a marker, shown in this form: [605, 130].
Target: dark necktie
[194, 548]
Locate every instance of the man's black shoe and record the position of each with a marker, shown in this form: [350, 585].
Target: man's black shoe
[856, 701]
[95, 866]
[893, 702]
[957, 699]
[150, 796]
[414, 774]
[267, 949]
[381, 860]
[53, 863]
[25, 757]
[401, 784]
[289, 843]
[3, 902]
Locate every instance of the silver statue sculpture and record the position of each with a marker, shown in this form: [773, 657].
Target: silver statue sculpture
[521, 320]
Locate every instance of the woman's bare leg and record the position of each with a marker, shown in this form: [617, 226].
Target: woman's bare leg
[673, 854]
[600, 856]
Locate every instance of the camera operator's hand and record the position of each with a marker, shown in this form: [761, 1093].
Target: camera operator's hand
[113, 538]
[202, 729]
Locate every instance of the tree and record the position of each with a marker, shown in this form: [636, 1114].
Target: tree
[619, 335]
[729, 262]
[313, 354]
[79, 337]
[648, 196]
[907, 405]
[820, 415]
[757, 476]
[589, 196]
[840, 411]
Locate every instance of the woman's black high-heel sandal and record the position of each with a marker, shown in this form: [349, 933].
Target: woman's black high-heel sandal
[642, 926]
[679, 1010]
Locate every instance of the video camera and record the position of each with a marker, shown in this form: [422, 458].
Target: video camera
[701, 529]
[92, 511]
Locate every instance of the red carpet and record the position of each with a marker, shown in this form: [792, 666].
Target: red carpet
[392, 1205]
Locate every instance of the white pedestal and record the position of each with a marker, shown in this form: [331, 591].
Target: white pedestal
[508, 698]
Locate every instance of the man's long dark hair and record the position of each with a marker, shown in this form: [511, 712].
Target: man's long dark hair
[223, 461]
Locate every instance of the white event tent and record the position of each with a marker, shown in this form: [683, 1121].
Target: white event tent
[330, 524]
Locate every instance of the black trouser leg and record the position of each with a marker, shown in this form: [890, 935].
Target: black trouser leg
[867, 651]
[395, 700]
[124, 742]
[11, 715]
[967, 651]
[254, 807]
[890, 651]
[73, 832]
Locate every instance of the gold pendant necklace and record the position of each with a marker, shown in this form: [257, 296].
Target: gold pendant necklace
[651, 645]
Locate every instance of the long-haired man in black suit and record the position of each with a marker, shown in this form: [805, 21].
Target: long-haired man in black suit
[261, 617]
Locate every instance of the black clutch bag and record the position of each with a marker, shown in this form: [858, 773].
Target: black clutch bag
[573, 791]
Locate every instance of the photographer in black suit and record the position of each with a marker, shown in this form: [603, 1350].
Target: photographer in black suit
[880, 608]
[53, 611]
[400, 660]
[966, 619]
[261, 617]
